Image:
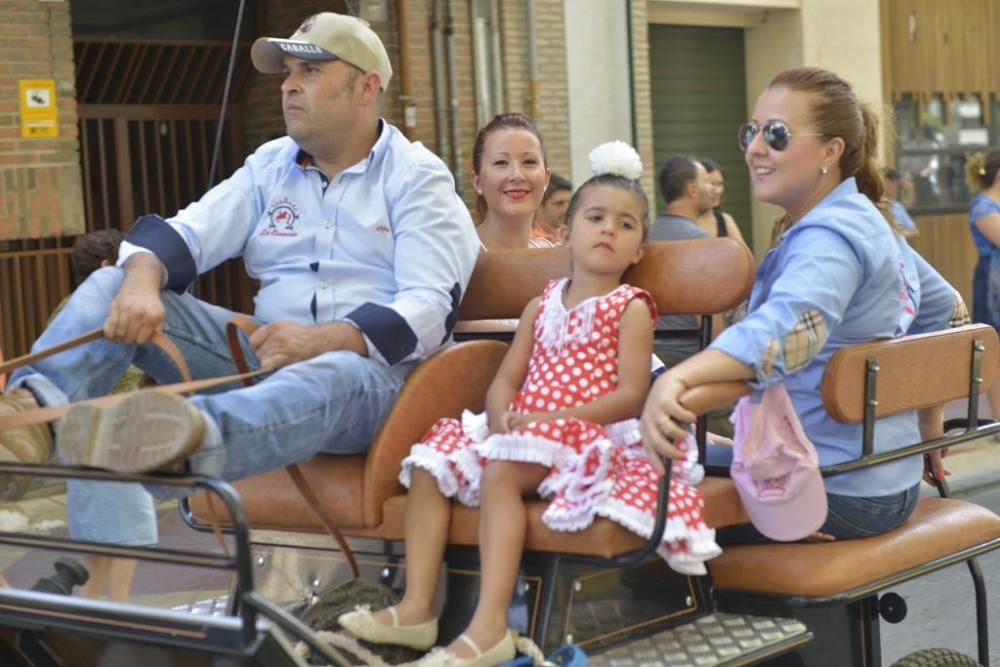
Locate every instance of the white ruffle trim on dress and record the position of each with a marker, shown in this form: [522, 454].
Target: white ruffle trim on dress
[524, 448]
[434, 462]
[625, 433]
[467, 462]
[553, 330]
[588, 496]
[475, 425]
[687, 469]
[573, 482]
[685, 549]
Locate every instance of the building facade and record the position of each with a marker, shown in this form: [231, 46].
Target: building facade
[138, 88]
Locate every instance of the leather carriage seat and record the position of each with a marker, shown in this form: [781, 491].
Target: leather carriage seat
[361, 494]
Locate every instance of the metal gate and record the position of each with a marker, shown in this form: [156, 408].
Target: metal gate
[148, 115]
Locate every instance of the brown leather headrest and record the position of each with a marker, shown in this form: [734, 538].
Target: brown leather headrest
[700, 276]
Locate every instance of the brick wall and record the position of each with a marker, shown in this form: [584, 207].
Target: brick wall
[641, 96]
[553, 103]
[263, 109]
[40, 184]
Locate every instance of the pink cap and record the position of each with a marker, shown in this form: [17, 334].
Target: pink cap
[775, 467]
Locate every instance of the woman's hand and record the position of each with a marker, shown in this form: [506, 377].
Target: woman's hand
[662, 419]
[934, 470]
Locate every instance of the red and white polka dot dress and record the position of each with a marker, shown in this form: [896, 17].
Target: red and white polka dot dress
[596, 470]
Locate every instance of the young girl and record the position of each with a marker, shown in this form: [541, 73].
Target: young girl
[560, 423]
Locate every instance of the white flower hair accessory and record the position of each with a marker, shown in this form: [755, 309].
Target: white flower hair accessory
[616, 157]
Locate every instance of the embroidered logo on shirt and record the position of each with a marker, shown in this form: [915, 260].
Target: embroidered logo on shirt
[908, 310]
[382, 229]
[281, 218]
[904, 292]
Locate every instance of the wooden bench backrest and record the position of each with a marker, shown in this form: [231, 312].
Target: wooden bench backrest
[701, 276]
[914, 371]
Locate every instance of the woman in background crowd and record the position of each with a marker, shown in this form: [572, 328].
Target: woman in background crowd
[981, 173]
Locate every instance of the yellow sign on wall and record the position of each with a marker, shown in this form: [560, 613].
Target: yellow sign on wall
[39, 115]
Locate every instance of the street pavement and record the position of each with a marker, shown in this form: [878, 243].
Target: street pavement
[941, 611]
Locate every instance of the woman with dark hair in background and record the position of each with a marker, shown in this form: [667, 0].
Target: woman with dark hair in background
[717, 222]
[981, 170]
[550, 218]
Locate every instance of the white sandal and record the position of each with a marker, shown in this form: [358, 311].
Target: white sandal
[500, 652]
[362, 624]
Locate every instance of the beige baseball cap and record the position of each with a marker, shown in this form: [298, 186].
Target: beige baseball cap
[326, 36]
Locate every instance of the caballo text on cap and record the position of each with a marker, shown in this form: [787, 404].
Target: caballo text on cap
[326, 36]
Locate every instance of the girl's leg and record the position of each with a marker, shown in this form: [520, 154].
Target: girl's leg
[428, 514]
[120, 573]
[98, 567]
[502, 526]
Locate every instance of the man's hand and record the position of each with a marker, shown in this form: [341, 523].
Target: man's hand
[282, 343]
[137, 311]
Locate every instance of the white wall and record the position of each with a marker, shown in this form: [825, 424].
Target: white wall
[774, 45]
[598, 80]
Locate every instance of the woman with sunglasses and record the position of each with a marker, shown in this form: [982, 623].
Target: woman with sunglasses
[838, 273]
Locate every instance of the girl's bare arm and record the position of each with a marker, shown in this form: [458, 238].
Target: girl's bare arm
[513, 369]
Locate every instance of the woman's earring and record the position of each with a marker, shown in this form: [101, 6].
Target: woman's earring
[824, 170]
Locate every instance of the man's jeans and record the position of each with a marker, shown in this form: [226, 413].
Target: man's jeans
[332, 403]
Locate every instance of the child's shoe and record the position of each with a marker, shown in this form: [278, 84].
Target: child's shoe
[362, 624]
[503, 651]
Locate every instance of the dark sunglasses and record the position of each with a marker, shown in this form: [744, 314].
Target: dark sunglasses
[776, 134]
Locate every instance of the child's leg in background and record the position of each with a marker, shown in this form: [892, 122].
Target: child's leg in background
[98, 567]
[502, 526]
[120, 573]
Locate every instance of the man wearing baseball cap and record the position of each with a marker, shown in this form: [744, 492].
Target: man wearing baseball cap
[326, 37]
[363, 252]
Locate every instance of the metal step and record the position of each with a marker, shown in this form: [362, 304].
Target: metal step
[715, 639]
[210, 607]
